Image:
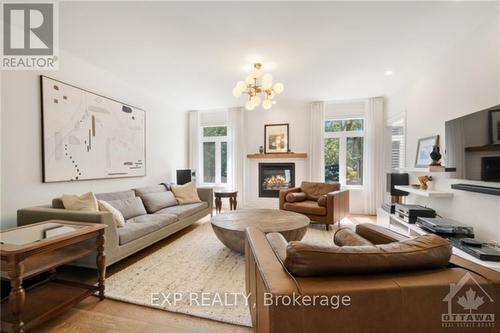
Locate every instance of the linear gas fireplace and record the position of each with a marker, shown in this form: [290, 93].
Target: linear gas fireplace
[275, 176]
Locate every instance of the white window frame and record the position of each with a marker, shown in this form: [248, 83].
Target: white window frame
[218, 161]
[399, 122]
[343, 149]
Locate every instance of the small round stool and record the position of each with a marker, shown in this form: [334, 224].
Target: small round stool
[225, 194]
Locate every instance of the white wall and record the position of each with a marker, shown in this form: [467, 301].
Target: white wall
[465, 80]
[21, 158]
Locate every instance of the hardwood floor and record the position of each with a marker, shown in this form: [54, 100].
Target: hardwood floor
[109, 316]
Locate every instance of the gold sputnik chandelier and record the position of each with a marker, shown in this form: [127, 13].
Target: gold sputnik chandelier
[253, 89]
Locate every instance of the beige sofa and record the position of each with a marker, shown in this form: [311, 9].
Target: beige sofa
[140, 231]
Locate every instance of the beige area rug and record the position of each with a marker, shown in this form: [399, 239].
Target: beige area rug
[193, 275]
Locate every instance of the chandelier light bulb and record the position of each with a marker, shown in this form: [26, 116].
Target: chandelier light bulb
[278, 88]
[254, 73]
[249, 79]
[236, 92]
[249, 106]
[255, 100]
[267, 104]
[241, 85]
[267, 81]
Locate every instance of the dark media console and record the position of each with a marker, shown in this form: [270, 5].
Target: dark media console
[477, 188]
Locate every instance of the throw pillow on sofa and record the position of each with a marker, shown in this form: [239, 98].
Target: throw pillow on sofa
[296, 197]
[86, 202]
[315, 190]
[117, 216]
[159, 200]
[130, 207]
[186, 194]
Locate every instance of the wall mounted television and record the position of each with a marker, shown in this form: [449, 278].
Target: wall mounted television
[473, 145]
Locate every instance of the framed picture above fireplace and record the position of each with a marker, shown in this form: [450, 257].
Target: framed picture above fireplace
[276, 138]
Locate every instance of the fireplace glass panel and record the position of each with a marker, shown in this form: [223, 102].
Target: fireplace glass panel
[275, 176]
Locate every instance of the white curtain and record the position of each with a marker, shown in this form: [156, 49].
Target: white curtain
[237, 139]
[316, 148]
[194, 142]
[373, 191]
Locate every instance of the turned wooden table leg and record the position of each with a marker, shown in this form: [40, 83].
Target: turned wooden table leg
[17, 295]
[218, 204]
[230, 203]
[234, 202]
[101, 264]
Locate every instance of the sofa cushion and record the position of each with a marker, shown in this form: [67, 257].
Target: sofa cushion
[129, 208]
[296, 197]
[378, 234]
[149, 189]
[117, 215]
[315, 190]
[143, 225]
[347, 237]
[423, 252]
[305, 207]
[85, 202]
[182, 211]
[186, 193]
[115, 195]
[322, 201]
[156, 201]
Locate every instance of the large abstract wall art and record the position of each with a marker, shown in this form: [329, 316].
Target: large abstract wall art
[88, 136]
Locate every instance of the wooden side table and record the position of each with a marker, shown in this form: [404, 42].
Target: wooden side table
[42, 247]
[232, 195]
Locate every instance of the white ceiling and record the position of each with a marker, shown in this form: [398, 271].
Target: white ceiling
[191, 54]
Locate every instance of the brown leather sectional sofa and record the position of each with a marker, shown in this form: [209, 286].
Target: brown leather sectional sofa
[400, 300]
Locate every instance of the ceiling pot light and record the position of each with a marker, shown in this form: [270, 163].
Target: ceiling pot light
[388, 72]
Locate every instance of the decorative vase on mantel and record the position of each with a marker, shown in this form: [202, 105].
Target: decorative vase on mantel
[261, 150]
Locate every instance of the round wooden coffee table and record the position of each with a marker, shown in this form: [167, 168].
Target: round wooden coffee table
[230, 227]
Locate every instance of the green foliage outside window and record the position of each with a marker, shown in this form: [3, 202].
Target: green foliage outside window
[332, 146]
[344, 125]
[215, 131]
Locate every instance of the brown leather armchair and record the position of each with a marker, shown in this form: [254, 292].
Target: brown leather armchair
[411, 301]
[323, 203]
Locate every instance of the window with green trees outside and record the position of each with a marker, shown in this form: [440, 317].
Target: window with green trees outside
[215, 155]
[344, 149]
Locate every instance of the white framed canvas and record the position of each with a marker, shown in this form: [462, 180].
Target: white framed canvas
[276, 138]
[89, 136]
[424, 149]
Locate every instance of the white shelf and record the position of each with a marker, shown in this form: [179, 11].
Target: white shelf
[424, 193]
[397, 224]
[430, 169]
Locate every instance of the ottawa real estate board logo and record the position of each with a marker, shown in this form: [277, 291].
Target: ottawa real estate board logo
[469, 305]
[30, 36]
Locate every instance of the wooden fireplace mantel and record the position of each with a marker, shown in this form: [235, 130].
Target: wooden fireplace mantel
[280, 155]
